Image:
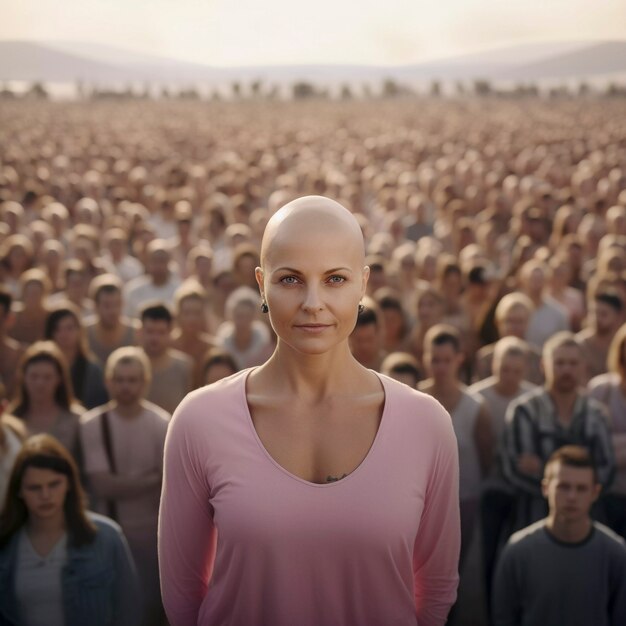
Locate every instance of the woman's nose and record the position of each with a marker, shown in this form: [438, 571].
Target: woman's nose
[312, 300]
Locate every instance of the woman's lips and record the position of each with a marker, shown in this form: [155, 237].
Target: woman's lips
[312, 328]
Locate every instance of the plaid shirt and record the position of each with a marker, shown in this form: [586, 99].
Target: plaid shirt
[532, 427]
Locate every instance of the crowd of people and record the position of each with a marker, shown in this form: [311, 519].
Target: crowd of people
[129, 236]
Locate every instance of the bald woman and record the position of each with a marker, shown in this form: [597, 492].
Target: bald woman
[310, 491]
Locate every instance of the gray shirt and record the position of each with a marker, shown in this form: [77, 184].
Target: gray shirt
[38, 583]
[541, 580]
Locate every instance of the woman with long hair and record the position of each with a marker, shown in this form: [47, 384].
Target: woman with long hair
[44, 400]
[59, 564]
[63, 326]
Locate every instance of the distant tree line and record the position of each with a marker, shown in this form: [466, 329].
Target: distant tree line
[306, 90]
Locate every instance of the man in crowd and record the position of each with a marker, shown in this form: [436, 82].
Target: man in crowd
[123, 443]
[159, 282]
[549, 417]
[606, 315]
[108, 329]
[549, 316]
[190, 335]
[443, 357]
[564, 570]
[367, 338]
[172, 370]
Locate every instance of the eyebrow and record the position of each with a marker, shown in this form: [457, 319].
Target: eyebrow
[295, 271]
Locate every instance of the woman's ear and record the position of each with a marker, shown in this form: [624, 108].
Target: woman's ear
[258, 274]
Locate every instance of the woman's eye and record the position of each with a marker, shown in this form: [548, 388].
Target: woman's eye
[289, 280]
[337, 279]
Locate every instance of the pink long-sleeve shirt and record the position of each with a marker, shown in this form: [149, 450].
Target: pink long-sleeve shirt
[243, 542]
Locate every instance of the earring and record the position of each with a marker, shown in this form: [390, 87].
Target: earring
[264, 307]
[361, 308]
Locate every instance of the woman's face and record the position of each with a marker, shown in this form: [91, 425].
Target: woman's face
[67, 333]
[43, 492]
[41, 380]
[313, 284]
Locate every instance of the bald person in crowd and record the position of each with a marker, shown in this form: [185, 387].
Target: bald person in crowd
[549, 316]
[158, 284]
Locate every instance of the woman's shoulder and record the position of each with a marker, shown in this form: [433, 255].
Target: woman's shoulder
[223, 395]
[108, 530]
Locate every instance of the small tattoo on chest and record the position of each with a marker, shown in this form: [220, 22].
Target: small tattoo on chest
[334, 479]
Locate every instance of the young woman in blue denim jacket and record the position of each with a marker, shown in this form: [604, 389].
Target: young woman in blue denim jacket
[59, 564]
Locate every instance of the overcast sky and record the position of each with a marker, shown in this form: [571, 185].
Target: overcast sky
[261, 32]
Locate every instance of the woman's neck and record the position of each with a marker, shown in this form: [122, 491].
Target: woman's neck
[46, 526]
[313, 377]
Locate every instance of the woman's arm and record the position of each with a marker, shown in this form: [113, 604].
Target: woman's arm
[186, 529]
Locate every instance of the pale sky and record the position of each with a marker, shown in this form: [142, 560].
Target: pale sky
[263, 32]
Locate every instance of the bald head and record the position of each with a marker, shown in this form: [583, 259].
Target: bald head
[312, 214]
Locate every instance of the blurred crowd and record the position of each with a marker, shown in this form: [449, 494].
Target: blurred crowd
[495, 234]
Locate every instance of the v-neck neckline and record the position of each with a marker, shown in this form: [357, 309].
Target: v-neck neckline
[329, 485]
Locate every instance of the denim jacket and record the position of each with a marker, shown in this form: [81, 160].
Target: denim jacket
[98, 581]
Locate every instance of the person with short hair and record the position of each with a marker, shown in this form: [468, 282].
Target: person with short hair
[108, 329]
[395, 321]
[606, 316]
[367, 338]
[190, 332]
[217, 364]
[548, 417]
[565, 569]
[242, 334]
[124, 441]
[443, 357]
[60, 565]
[403, 367]
[116, 260]
[172, 370]
[548, 316]
[159, 283]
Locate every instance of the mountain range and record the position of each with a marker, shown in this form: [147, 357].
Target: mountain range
[96, 64]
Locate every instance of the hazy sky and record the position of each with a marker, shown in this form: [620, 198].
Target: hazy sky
[254, 32]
